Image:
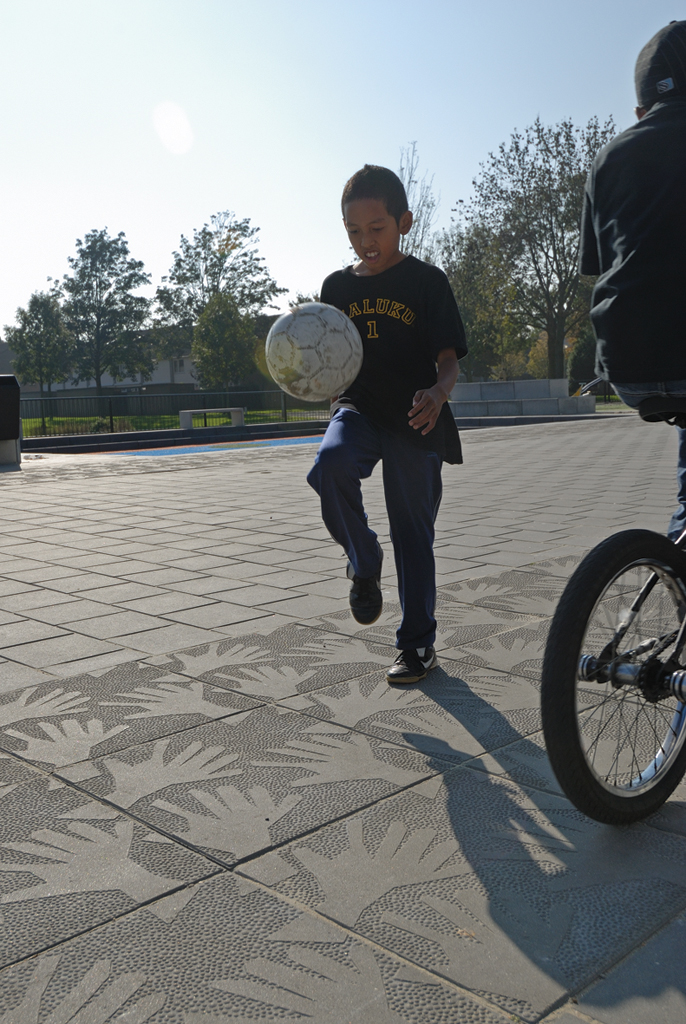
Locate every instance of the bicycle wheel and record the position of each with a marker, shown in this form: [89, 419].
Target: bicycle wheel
[615, 740]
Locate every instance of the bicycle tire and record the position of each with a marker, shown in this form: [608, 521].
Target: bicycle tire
[587, 724]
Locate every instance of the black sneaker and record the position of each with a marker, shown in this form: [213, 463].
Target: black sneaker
[411, 666]
[366, 600]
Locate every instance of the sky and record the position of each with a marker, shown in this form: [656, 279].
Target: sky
[149, 116]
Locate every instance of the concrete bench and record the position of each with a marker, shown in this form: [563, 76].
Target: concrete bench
[186, 416]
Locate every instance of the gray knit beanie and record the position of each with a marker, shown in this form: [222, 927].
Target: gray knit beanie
[661, 66]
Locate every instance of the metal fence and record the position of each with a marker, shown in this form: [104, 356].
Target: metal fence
[44, 417]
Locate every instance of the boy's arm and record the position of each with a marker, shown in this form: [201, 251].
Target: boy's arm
[427, 403]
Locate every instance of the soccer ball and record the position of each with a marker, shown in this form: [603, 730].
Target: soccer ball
[314, 351]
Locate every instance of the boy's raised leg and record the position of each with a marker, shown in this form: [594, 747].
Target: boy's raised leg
[347, 455]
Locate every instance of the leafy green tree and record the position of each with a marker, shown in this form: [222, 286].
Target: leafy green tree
[582, 359]
[223, 343]
[41, 343]
[221, 259]
[104, 315]
[473, 259]
[530, 194]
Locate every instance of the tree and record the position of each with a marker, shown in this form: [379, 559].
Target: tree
[582, 359]
[530, 194]
[422, 202]
[102, 312]
[220, 259]
[473, 259]
[223, 343]
[41, 343]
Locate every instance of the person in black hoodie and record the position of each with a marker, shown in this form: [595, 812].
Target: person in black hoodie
[633, 238]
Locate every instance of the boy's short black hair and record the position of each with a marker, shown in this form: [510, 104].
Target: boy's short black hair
[372, 182]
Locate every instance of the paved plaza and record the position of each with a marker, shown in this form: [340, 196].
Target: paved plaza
[214, 808]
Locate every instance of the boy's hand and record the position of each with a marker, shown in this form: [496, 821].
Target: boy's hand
[426, 405]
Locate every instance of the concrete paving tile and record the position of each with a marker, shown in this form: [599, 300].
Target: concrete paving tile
[167, 638]
[8, 587]
[233, 549]
[116, 593]
[160, 577]
[320, 972]
[457, 623]
[7, 617]
[285, 661]
[243, 570]
[94, 664]
[222, 613]
[339, 588]
[308, 606]
[44, 573]
[25, 631]
[294, 544]
[43, 552]
[61, 722]
[255, 594]
[66, 648]
[59, 877]
[649, 986]
[524, 593]
[519, 651]
[14, 676]
[672, 816]
[563, 565]
[198, 563]
[327, 565]
[568, 1016]
[79, 582]
[287, 578]
[454, 716]
[268, 763]
[67, 611]
[506, 892]
[206, 585]
[89, 561]
[457, 552]
[123, 567]
[468, 572]
[34, 598]
[119, 623]
[169, 602]
[525, 761]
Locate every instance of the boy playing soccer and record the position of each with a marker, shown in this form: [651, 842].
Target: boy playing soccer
[394, 412]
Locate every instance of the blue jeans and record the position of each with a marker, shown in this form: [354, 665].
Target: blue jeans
[633, 394]
[351, 447]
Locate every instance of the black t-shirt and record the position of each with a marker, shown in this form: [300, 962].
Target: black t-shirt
[405, 315]
[634, 236]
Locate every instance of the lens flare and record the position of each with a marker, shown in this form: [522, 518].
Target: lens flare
[173, 127]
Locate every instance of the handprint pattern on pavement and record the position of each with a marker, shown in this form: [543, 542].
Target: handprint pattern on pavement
[168, 699]
[68, 742]
[86, 859]
[236, 823]
[90, 1001]
[194, 763]
[334, 759]
[56, 702]
[315, 987]
[399, 861]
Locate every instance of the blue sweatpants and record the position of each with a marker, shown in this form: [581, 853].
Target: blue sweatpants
[351, 448]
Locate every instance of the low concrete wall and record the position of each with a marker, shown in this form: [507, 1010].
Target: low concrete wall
[518, 398]
[134, 440]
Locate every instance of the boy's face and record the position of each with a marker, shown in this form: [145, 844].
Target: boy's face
[374, 234]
